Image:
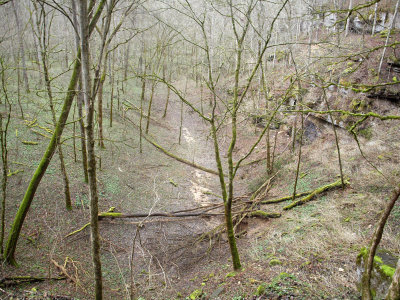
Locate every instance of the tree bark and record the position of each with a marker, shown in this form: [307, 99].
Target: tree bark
[100, 106]
[89, 105]
[4, 156]
[79, 100]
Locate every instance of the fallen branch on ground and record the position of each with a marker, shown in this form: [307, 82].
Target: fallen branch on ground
[262, 214]
[63, 271]
[285, 198]
[17, 280]
[319, 190]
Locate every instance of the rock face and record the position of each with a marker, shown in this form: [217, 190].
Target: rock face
[311, 131]
[382, 272]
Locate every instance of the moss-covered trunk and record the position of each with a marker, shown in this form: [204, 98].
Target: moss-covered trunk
[9, 253]
[231, 236]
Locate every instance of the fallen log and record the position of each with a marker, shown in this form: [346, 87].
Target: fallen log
[285, 198]
[315, 192]
[262, 214]
[17, 280]
[178, 214]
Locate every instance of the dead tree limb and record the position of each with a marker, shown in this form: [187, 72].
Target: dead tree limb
[17, 280]
[314, 193]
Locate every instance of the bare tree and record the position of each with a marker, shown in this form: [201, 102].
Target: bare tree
[6, 115]
[89, 105]
[21, 46]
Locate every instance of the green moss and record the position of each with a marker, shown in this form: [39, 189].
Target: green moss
[260, 290]
[230, 274]
[366, 132]
[196, 294]
[387, 270]
[110, 214]
[264, 214]
[357, 104]
[362, 255]
[275, 262]
[378, 259]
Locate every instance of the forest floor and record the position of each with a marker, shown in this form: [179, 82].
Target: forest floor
[307, 253]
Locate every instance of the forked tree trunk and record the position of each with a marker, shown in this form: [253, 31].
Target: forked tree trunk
[89, 105]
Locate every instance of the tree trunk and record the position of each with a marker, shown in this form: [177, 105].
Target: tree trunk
[126, 63]
[141, 109]
[21, 47]
[366, 278]
[18, 86]
[89, 105]
[375, 15]
[153, 86]
[100, 106]
[4, 157]
[168, 95]
[348, 18]
[79, 99]
[9, 253]
[388, 36]
[43, 47]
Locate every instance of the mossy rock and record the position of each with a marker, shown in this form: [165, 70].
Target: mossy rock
[382, 272]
